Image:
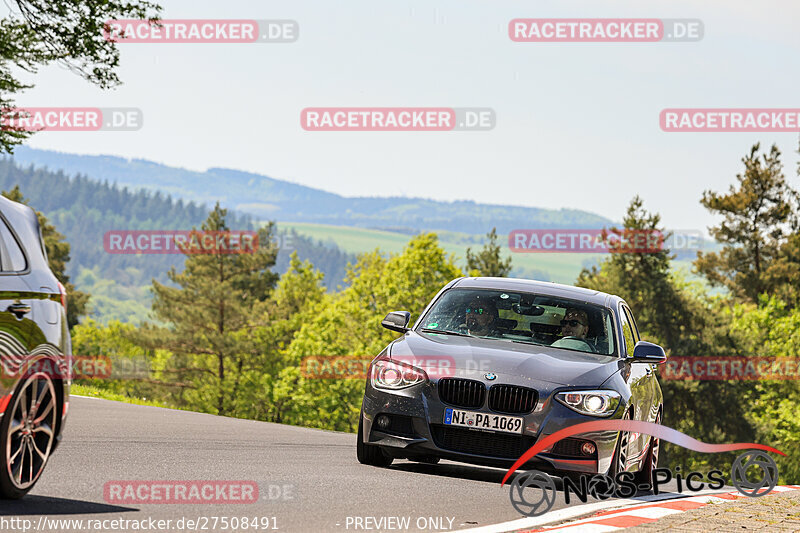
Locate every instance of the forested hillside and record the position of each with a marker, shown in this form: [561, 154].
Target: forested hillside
[273, 199]
[84, 209]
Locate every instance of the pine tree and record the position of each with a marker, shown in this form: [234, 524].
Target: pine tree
[487, 262]
[211, 311]
[759, 215]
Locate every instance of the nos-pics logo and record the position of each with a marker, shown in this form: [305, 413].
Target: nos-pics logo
[753, 473]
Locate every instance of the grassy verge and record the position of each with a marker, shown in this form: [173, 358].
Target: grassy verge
[94, 392]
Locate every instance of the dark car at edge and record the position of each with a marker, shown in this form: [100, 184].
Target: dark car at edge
[35, 352]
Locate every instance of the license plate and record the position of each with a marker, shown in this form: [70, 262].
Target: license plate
[471, 419]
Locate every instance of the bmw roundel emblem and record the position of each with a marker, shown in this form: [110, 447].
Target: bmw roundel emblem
[490, 376]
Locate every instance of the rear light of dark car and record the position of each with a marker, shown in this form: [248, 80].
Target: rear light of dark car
[63, 291]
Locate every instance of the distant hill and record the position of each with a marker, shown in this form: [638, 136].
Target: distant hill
[84, 209]
[272, 199]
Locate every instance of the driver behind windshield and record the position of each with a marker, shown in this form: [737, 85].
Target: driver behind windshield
[575, 324]
[481, 317]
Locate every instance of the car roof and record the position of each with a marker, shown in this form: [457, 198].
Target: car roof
[14, 211]
[23, 221]
[538, 287]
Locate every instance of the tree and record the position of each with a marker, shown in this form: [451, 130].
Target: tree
[267, 387]
[57, 249]
[677, 315]
[782, 275]
[40, 32]
[772, 329]
[216, 303]
[643, 278]
[128, 363]
[487, 261]
[348, 324]
[758, 217]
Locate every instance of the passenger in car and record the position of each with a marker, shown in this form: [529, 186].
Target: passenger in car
[575, 324]
[481, 318]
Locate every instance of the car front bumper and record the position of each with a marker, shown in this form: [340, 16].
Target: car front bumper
[420, 432]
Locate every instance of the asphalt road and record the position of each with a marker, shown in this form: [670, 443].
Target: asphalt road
[309, 480]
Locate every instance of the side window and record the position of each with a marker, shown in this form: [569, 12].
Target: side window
[629, 314]
[11, 257]
[627, 331]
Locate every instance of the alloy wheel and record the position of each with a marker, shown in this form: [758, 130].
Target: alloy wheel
[620, 463]
[655, 445]
[31, 430]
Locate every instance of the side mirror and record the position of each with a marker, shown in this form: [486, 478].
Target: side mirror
[647, 352]
[397, 321]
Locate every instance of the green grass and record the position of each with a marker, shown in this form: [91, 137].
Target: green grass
[561, 268]
[94, 392]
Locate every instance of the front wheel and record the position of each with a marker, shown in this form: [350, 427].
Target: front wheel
[27, 435]
[619, 463]
[645, 475]
[369, 454]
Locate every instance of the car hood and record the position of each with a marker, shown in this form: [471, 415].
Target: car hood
[538, 363]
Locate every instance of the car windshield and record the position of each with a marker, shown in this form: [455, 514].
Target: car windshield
[522, 317]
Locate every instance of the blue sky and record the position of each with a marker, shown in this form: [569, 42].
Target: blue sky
[577, 123]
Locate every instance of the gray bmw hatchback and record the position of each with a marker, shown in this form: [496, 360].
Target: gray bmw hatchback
[494, 364]
[35, 350]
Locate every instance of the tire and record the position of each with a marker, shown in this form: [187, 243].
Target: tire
[27, 435]
[369, 454]
[645, 475]
[619, 461]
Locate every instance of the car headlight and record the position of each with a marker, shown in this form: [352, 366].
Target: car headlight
[394, 375]
[591, 402]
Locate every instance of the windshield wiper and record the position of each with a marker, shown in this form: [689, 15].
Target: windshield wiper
[444, 332]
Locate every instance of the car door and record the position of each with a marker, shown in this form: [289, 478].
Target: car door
[638, 381]
[651, 372]
[17, 327]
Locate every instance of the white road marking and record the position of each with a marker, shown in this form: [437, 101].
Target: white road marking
[564, 514]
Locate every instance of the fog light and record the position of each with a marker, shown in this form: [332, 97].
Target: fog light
[588, 448]
[383, 421]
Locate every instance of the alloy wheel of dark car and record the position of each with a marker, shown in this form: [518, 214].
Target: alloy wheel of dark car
[619, 462]
[27, 433]
[644, 476]
[367, 454]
